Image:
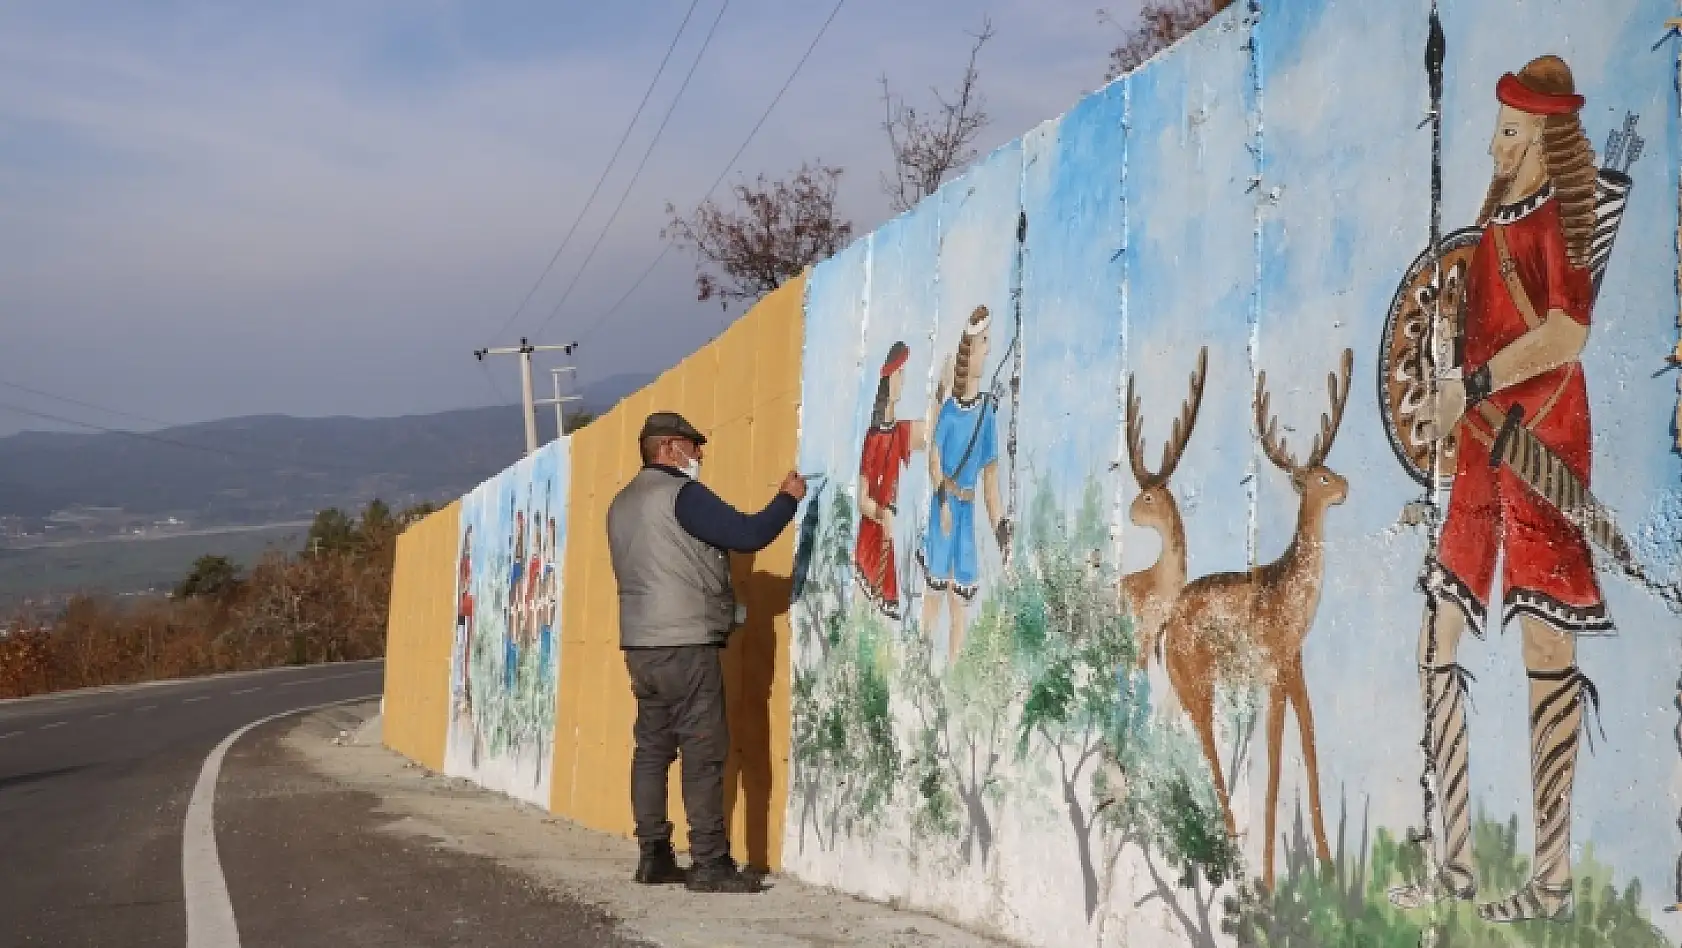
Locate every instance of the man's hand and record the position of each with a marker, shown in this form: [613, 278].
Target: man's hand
[1442, 412]
[794, 485]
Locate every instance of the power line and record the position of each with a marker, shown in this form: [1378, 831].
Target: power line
[187, 445]
[99, 408]
[497, 398]
[605, 170]
[629, 185]
[666, 247]
[60, 419]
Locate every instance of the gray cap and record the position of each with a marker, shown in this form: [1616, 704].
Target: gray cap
[670, 424]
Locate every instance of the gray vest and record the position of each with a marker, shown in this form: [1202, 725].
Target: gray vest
[673, 588]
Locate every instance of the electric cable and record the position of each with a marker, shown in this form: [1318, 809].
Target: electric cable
[631, 184]
[665, 248]
[602, 179]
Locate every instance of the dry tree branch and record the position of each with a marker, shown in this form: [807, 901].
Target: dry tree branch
[776, 230]
[928, 146]
[1161, 24]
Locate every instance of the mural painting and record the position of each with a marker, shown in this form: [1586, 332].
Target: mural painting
[1149, 594]
[1517, 408]
[504, 667]
[1030, 666]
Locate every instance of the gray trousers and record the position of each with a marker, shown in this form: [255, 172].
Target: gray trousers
[680, 706]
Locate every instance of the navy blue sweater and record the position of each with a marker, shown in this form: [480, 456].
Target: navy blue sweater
[709, 519]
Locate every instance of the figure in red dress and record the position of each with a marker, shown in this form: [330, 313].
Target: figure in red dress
[886, 453]
[464, 622]
[1527, 309]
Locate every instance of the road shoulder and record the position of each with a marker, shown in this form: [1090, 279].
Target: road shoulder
[589, 867]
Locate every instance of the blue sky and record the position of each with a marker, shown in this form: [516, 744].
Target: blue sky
[320, 208]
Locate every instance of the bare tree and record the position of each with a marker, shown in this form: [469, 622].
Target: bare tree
[776, 230]
[928, 146]
[1161, 24]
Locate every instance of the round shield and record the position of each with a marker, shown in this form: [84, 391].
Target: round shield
[1404, 365]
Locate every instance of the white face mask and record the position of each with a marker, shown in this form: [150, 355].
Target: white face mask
[691, 468]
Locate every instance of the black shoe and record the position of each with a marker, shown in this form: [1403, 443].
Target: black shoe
[722, 876]
[658, 866]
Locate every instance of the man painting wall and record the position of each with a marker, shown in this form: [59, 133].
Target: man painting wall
[670, 538]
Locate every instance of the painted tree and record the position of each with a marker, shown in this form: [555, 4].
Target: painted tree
[847, 759]
[1073, 645]
[962, 730]
[1121, 775]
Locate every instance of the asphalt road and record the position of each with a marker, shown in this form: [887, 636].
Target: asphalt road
[94, 789]
[308, 866]
[94, 796]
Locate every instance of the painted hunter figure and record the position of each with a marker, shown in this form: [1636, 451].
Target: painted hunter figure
[531, 604]
[1527, 305]
[551, 603]
[464, 622]
[888, 446]
[511, 608]
[963, 462]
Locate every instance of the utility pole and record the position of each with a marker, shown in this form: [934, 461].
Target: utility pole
[559, 400]
[524, 350]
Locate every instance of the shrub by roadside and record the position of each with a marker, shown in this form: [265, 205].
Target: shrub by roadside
[327, 603]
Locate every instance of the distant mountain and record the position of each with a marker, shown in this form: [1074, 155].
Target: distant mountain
[269, 468]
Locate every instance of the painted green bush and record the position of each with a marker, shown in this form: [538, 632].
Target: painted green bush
[847, 760]
[1042, 708]
[1345, 905]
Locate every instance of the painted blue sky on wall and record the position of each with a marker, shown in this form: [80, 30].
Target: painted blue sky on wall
[1260, 190]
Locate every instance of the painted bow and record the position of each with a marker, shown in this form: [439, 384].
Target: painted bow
[1013, 357]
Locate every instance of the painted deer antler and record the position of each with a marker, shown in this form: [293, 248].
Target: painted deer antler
[1150, 593]
[1267, 425]
[1175, 446]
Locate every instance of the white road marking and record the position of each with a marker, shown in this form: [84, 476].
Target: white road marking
[199, 698]
[105, 715]
[311, 681]
[246, 691]
[146, 708]
[77, 694]
[9, 734]
[53, 725]
[210, 916]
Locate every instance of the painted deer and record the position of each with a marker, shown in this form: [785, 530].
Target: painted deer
[1150, 593]
[1249, 627]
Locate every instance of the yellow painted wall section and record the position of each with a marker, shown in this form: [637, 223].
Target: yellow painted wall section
[420, 631]
[743, 391]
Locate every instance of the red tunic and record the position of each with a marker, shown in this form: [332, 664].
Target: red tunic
[464, 581]
[887, 451]
[1547, 570]
[533, 572]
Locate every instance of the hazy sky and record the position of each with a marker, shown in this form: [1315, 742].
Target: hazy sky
[216, 209]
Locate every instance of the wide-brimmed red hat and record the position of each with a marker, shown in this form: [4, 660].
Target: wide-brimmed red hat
[1512, 91]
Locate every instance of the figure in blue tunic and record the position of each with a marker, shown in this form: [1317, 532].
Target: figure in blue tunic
[549, 604]
[516, 570]
[963, 461]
